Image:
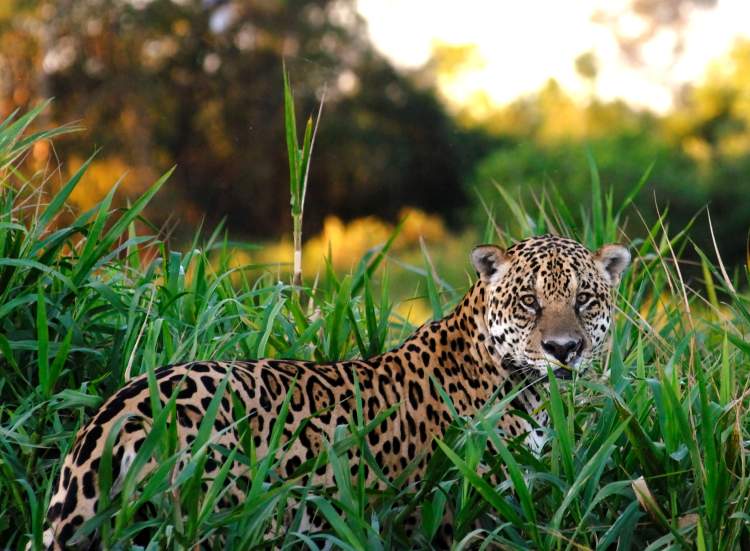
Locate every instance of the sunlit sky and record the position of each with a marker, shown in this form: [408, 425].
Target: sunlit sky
[524, 43]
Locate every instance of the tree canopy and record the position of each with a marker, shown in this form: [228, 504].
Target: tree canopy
[197, 83]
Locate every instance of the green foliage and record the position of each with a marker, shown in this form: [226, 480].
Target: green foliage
[299, 167]
[648, 451]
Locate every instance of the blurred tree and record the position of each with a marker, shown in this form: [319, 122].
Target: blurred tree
[588, 69]
[449, 66]
[198, 83]
[636, 22]
[716, 112]
[586, 66]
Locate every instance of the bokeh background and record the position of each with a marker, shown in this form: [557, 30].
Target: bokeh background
[429, 105]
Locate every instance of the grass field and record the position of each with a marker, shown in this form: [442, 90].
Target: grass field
[649, 451]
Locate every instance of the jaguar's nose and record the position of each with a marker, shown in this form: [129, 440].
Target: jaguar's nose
[563, 349]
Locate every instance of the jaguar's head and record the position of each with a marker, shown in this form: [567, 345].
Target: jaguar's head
[548, 301]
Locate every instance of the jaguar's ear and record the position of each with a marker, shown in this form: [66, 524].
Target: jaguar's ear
[612, 261]
[488, 261]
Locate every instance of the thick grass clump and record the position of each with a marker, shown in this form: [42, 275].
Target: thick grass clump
[649, 451]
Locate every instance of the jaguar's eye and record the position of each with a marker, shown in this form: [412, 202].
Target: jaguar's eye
[530, 301]
[583, 298]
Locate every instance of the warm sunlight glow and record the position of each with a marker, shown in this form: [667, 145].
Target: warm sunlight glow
[523, 44]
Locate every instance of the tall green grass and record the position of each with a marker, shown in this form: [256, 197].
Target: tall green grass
[647, 452]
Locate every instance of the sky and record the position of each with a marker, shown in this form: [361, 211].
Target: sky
[523, 44]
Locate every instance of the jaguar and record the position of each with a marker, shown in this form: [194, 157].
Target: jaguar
[544, 302]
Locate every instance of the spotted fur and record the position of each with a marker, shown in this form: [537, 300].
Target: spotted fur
[546, 300]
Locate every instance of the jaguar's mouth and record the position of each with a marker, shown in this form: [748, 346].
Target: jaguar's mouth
[565, 373]
[562, 372]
